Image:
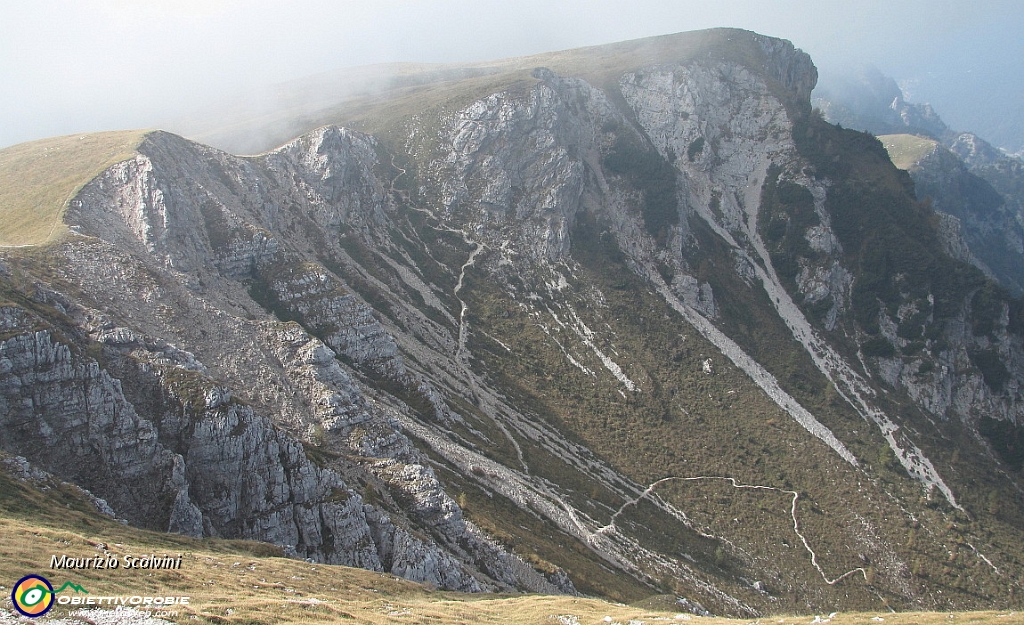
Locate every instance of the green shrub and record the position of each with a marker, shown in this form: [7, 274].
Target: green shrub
[653, 176]
[878, 347]
[986, 309]
[992, 368]
[695, 148]
[1006, 439]
[787, 211]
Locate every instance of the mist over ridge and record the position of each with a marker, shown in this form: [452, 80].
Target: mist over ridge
[70, 68]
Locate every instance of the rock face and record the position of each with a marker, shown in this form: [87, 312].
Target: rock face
[987, 222]
[205, 465]
[623, 330]
[199, 461]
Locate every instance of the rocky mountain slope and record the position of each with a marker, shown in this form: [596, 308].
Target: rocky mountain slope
[625, 321]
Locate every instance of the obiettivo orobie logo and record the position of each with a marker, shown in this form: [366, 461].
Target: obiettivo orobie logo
[33, 595]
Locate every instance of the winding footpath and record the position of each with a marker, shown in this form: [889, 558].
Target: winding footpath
[792, 511]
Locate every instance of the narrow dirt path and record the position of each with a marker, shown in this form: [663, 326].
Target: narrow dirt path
[792, 511]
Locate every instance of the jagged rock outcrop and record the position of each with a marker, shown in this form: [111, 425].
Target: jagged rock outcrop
[69, 416]
[210, 466]
[524, 150]
[206, 463]
[312, 294]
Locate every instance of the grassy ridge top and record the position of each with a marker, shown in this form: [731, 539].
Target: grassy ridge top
[39, 178]
[907, 150]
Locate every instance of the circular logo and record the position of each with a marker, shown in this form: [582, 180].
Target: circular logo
[32, 596]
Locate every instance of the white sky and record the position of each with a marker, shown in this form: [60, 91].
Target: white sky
[71, 66]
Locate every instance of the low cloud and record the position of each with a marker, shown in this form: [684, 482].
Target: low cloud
[71, 67]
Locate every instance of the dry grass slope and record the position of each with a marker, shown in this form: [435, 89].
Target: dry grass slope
[907, 150]
[235, 582]
[39, 178]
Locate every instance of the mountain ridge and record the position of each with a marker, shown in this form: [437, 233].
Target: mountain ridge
[596, 64]
[525, 340]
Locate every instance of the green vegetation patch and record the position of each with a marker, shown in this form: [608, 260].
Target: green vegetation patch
[682, 423]
[992, 368]
[787, 211]
[890, 239]
[1006, 438]
[38, 179]
[653, 176]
